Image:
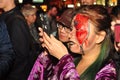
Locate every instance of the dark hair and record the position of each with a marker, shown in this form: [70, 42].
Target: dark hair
[16, 2]
[49, 7]
[115, 12]
[100, 18]
[66, 18]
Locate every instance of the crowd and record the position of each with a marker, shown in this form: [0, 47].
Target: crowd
[82, 44]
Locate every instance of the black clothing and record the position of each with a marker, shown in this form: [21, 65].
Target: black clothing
[22, 42]
[6, 51]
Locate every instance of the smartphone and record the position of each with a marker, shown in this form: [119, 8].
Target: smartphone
[44, 22]
[117, 32]
[45, 29]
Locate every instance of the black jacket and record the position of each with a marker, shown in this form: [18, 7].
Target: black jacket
[6, 51]
[22, 42]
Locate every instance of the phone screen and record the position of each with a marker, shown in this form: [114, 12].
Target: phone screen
[117, 33]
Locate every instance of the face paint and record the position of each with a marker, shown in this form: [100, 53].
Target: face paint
[82, 27]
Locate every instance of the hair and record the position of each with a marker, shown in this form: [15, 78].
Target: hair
[100, 18]
[51, 6]
[115, 12]
[28, 9]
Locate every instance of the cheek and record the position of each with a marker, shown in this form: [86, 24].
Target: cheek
[89, 43]
[81, 36]
[63, 37]
[75, 48]
[82, 28]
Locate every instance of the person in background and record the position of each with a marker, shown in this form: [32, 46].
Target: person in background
[115, 13]
[87, 2]
[64, 33]
[65, 29]
[29, 13]
[48, 20]
[6, 51]
[115, 26]
[64, 25]
[93, 37]
[21, 39]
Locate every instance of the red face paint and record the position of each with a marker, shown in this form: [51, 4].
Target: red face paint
[81, 25]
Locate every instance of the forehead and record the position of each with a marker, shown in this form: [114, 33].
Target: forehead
[81, 22]
[80, 18]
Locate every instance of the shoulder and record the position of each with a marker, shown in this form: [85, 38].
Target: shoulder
[107, 72]
[14, 16]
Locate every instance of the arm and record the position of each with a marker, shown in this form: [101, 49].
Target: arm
[65, 69]
[6, 51]
[107, 73]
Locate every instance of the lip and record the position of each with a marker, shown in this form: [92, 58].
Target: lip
[70, 43]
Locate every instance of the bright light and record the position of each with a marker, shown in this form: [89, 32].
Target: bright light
[44, 7]
[78, 4]
[70, 6]
[20, 1]
[33, 6]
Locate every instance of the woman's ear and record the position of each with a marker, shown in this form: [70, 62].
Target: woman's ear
[100, 36]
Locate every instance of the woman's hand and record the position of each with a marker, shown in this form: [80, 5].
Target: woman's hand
[54, 46]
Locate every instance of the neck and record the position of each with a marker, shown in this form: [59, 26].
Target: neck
[8, 8]
[92, 55]
[29, 24]
[87, 59]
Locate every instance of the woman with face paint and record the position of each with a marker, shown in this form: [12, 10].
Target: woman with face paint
[90, 38]
[92, 24]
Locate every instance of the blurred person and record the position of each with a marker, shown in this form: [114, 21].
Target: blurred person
[94, 44]
[115, 14]
[64, 25]
[21, 39]
[65, 29]
[115, 26]
[87, 2]
[64, 32]
[48, 20]
[6, 51]
[29, 13]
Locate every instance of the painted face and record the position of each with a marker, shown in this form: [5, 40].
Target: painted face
[84, 36]
[82, 28]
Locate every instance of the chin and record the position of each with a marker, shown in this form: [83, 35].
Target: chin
[74, 50]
